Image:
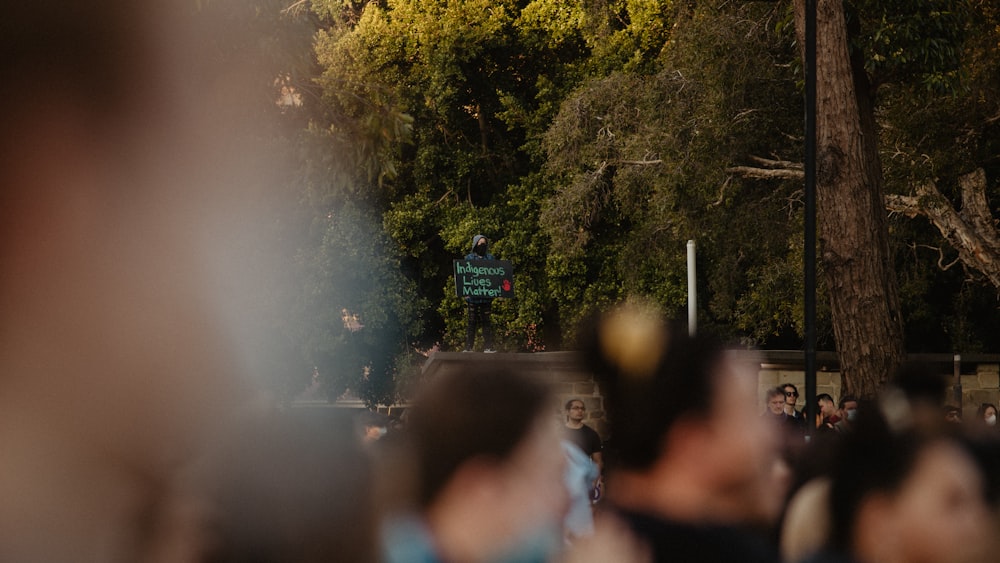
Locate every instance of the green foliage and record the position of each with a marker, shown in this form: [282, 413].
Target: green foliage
[590, 141]
[358, 312]
[641, 163]
[913, 40]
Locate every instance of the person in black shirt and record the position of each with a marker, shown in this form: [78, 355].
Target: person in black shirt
[791, 398]
[587, 439]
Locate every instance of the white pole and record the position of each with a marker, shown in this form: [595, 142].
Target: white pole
[692, 291]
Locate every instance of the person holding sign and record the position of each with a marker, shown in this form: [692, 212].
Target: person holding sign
[480, 306]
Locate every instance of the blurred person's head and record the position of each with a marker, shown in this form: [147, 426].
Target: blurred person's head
[294, 489]
[489, 462]
[775, 401]
[117, 181]
[120, 285]
[905, 497]
[920, 383]
[952, 414]
[689, 442]
[915, 396]
[373, 426]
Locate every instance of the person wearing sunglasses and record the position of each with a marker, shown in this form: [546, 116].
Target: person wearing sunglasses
[791, 398]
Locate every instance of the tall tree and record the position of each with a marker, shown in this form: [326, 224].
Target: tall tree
[853, 238]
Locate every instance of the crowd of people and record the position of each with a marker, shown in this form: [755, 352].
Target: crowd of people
[692, 471]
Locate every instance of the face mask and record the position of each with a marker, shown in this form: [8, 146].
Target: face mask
[991, 420]
[382, 431]
[538, 546]
[852, 414]
[481, 249]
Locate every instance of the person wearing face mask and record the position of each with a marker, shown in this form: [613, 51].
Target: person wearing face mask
[480, 308]
[848, 412]
[988, 414]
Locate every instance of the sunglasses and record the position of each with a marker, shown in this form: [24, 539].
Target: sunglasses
[791, 393]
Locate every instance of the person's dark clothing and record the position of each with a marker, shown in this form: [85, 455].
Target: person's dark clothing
[479, 316]
[585, 438]
[673, 542]
[784, 421]
[799, 419]
[828, 425]
[829, 556]
[479, 252]
[480, 308]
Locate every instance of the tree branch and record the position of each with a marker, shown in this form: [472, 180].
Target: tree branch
[975, 208]
[905, 204]
[777, 164]
[970, 239]
[766, 173]
[640, 162]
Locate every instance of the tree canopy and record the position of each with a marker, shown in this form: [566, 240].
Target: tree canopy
[590, 141]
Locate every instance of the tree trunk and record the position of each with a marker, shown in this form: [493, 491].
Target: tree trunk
[853, 236]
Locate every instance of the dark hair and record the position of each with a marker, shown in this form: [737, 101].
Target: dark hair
[846, 399]
[920, 383]
[93, 52]
[783, 385]
[982, 409]
[652, 374]
[294, 487]
[824, 397]
[870, 459]
[570, 402]
[481, 411]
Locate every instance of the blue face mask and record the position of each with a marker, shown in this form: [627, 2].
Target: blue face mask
[539, 546]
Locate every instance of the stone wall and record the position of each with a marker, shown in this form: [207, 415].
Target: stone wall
[569, 379]
[982, 385]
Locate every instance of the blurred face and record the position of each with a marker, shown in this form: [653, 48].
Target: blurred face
[939, 513]
[534, 498]
[741, 446]
[989, 412]
[776, 405]
[124, 276]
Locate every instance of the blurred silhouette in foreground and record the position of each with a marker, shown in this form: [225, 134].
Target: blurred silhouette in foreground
[489, 472]
[903, 486]
[124, 171]
[693, 462]
[905, 496]
[295, 488]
